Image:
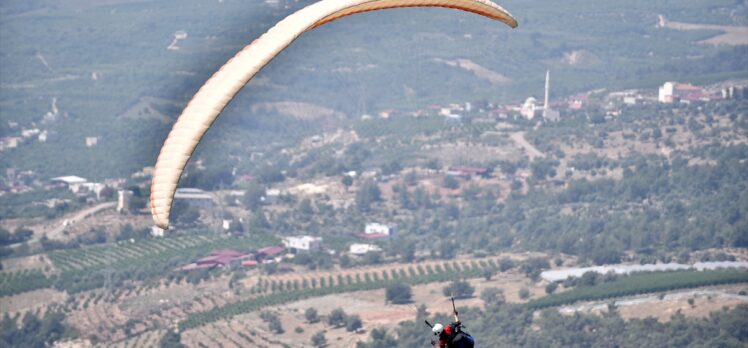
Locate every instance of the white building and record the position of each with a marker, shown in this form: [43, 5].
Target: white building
[10, 142]
[529, 108]
[194, 197]
[630, 100]
[666, 92]
[303, 243]
[78, 185]
[157, 231]
[28, 133]
[91, 187]
[92, 141]
[377, 228]
[72, 182]
[271, 196]
[123, 199]
[361, 249]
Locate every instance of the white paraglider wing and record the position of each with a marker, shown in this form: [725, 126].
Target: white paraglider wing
[216, 93]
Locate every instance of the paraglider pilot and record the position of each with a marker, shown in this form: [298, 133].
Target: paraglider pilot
[452, 336]
[446, 333]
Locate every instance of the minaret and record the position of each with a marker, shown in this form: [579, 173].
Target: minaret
[547, 89]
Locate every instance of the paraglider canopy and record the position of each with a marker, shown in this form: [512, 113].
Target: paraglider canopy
[218, 91]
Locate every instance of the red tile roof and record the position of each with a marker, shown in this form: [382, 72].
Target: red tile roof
[227, 252]
[374, 235]
[272, 250]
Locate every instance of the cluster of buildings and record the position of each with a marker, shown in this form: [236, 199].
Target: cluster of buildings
[228, 257]
[12, 142]
[372, 232]
[18, 181]
[673, 92]
[669, 92]
[548, 110]
[79, 186]
[292, 245]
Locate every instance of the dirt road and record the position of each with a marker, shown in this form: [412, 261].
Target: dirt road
[532, 151]
[54, 229]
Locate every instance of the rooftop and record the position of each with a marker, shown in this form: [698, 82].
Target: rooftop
[70, 179]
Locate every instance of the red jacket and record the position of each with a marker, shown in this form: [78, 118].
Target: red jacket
[448, 333]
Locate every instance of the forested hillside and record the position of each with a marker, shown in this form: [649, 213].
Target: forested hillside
[108, 72]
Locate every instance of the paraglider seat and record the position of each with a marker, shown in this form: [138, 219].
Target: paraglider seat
[462, 340]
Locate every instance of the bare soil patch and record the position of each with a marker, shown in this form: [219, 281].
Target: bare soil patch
[697, 303]
[31, 262]
[732, 35]
[31, 300]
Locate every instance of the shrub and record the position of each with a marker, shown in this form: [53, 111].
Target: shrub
[337, 318]
[311, 315]
[524, 293]
[319, 340]
[459, 289]
[399, 293]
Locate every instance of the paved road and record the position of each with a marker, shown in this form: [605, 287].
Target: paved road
[532, 151]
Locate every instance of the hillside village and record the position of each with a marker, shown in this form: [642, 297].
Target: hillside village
[66, 194]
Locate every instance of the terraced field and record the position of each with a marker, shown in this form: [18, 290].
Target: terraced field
[146, 251]
[145, 339]
[142, 309]
[275, 290]
[12, 283]
[316, 280]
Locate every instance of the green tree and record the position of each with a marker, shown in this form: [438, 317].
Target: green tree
[311, 315]
[491, 296]
[381, 339]
[407, 251]
[487, 274]
[253, 196]
[347, 181]
[367, 195]
[524, 293]
[259, 221]
[353, 323]
[372, 258]
[189, 216]
[337, 318]
[459, 289]
[345, 261]
[505, 264]
[172, 339]
[270, 174]
[273, 321]
[399, 293]
[319, 340]
[551, 288]
[305, 207]
[450, 182]
[542, 168]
